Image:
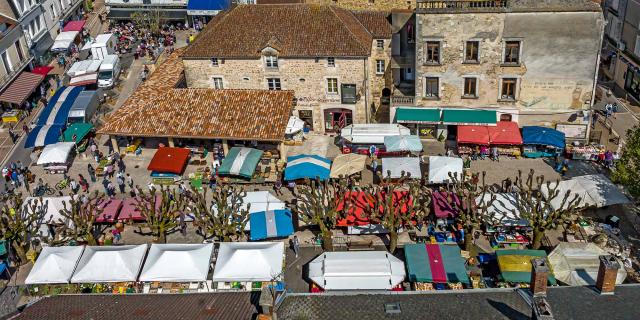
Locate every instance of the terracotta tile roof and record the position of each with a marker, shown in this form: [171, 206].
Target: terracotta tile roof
[219, 306]
[377, 22]
[206, 113]
[302, 30]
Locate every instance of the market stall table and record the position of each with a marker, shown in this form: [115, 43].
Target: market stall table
[588, 152]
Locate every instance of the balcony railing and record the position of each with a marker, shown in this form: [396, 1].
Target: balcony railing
[436, 6]
[404, 100]
[16, 68]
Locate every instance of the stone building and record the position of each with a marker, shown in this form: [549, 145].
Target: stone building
[366, 4]
[336, 61]
[534, 62]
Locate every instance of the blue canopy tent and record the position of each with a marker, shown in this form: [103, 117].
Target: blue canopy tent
[44, 135]
[538, 141]
[57, 110]
[307, 166]
[271, 224]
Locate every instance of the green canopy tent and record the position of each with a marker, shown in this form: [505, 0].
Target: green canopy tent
[240, 162]
[435, 263]
[77, 131]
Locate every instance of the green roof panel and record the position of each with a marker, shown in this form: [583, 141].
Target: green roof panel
[417, 115]
[469, 117]
[77, 130]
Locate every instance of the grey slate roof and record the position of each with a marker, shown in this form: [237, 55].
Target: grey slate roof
[568, 303]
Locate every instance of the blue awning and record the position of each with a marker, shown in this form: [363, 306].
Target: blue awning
[41, 136]
[534, 135]
[271, 224]
[57, 110]
[307, 166]
[207, 7]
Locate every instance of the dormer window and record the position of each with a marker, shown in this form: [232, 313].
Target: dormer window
[271, 62]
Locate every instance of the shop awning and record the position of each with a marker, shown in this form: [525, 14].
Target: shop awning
[396, 166]
[505, 133]
[75, 25]
[41, 136]
[441, 167]
[473, 135]
[417, 115]
[534, 135]
[21, 88]
[348, 164]
[169, 160]
[515, 265]
[206, 7]
[469, 117]
[403, 143]
[57, 110]
[240, 162]
[271, 224]
[43, 70]
[435, 263]
[76, 132]
[307, 166]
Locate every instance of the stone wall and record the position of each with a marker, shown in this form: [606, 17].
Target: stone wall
[306, 76]
[369, 4]
[559, 58]
[377, 82]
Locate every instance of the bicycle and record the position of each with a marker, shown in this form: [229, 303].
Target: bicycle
[62, 184]
[43, 190]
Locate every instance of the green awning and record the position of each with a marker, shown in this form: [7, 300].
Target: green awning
[468, 117]
[417, 115]
[77, 130]
[240, 162]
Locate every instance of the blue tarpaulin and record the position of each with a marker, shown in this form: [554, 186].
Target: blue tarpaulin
[57, 110]
[208, 5]
[307, 166]
[271, 224]
[41, 136]
[534, 135]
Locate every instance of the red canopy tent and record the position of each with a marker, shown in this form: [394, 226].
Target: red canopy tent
[75, 25]
[473, 135]
[169, 160]
[42, 70]
[359, 202]
[110, 210]
[443, 206]
[505, 133]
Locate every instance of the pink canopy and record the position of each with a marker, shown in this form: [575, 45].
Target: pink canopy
[443, 206]
[110, 210]
[130, 209]
[76, 25]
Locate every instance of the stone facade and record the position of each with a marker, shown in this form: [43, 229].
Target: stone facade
[307, 77]
[384, 5]
[558, 61]
[379, 81]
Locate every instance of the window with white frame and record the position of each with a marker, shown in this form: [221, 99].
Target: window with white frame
[331, 62]
[470, 87]
[273, 84]
[332, 85]
[271, 62]
[432, 87]
[508, 89]
[217, 83]
[214, 62]
[53, 12]
[380, 44]
[379, 66]
[512, 52]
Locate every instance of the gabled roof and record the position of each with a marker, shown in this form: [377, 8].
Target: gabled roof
[377, 22]
[319, 31]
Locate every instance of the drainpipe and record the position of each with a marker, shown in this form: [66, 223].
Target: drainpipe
[595, 81]
[366, 91]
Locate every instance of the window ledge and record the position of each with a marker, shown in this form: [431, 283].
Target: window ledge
[471, 62]
[469, 97]
[510, 64]
[432, 64]
[431, 98]
[379, 73]
[507, 100]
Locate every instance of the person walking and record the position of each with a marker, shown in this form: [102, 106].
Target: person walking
[21, 179]
[120, 181]
[295, 243]
[277, 186]
[109, 169]
[83, 183]
[92, 172]
[73, 184]
[111, 190]
[374, 164]
[129, 181]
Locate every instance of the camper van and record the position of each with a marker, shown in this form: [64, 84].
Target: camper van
[103, 45]
[109, 71]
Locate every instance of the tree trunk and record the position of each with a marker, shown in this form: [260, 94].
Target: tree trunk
[20, 252]
[468, 239]
[91, 240]
[537, 238]
[162, 237]
[393, 240]
[327, 240]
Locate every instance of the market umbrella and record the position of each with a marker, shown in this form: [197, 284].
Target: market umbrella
[348, 164]
[403, 143]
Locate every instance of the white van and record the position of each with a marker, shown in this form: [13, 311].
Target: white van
[103, 45]
[109, 71]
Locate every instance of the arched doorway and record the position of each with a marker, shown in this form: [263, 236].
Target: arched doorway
[386, 96]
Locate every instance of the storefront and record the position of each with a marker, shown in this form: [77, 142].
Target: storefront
[422, 122]
[337, 118]
[307, 117]
[200, 12]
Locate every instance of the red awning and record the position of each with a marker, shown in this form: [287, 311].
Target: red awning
[505, 133]
[21, 88]
[43, 70]
[169, 160]
[473, 135]
[74, 25]
[360, 202]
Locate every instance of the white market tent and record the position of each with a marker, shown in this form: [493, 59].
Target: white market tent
[294, 125]
[504, 210]
[595, 190]
[248, 261]
[64, 40]
[410, 165]
[364, 270]
[54, 265]
[577, 263]
[440, 167]
[55, 153]
[373, 133]
[174, 262]
[109, 264]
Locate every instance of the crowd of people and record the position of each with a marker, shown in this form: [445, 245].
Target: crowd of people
[145, 41]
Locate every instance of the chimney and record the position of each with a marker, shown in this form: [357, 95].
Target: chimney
[607, 274]
[541, 310]
[539, 276]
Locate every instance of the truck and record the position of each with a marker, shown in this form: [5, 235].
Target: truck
[103, 45]
[85, 107]
[109, 71]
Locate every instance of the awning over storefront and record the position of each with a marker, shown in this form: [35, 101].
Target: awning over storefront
[473, 135]
[469, 117]
[240, 162]
[75, 25]
[515, 265]
[505, 133]
[534, 135]
[271, 224]
[41, 136]
[417, 115]
[43, 70]
[206, 7]
[169, 160]
[435, 263]
[307, 166]
[21, 88]
[76, 132]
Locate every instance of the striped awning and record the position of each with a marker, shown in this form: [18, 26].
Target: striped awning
[21, 88]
